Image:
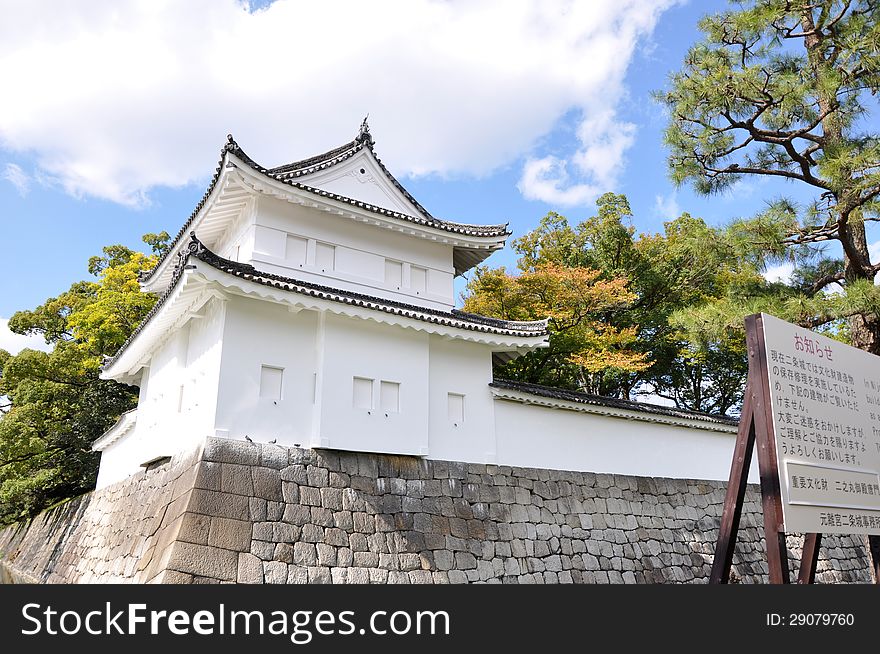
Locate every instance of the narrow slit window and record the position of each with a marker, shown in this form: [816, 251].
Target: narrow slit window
[389, 396]
[455, 404]
[180, 399]
[270, 382]
[362, 393]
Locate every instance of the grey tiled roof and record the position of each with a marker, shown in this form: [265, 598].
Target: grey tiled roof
[453, 318]
[598, 400]
[289, 173]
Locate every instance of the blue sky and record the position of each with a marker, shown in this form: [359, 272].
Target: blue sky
[114, 114]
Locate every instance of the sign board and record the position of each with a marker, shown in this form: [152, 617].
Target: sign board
[825, 404]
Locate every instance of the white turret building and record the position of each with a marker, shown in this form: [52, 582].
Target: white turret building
[312, 304]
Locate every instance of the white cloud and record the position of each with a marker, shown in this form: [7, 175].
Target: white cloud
[779, 273]
[13, 174]
[113, 99]
[666, 206]
[548, 179]
[14, 343]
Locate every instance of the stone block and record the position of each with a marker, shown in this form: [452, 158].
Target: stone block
[285, 533]
[208, 476]
[297, 575]
[223, 505]
[358, 576]
[465, 561]
[321, 517]
[283, 552]
[457, 577]
[326, 555]
[309, 496]
[378, 576]
[296, 514]
[305, 554]
[175, 577]
[223, 450]
[339, 575]
[257, 509]
[409, 561]
[265, 551]
[348, 463]
[368, 465]
[344, 557]
[331, 498]
[296, 474]
[275, 572]
[366, 559]
[318, 575]
[317, 477]
[204, 561]
[336, 537]
[343, 520]
[301, 456]
[267, 484]
[250, 569]
[364, 523]
[397, 577]
[312, 533]
[274, 511]
[273, 456]
[339, 480]
[194, 528]
[230, 534]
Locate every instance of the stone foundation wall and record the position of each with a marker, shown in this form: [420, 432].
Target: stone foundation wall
[123, 533]
[251, 513]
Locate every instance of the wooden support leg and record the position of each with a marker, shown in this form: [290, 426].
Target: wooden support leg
[733, 499]
[809, 557]
[874, 546]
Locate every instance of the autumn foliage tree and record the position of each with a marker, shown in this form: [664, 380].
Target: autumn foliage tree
[627, 291]
[56, 403]
[582, 345]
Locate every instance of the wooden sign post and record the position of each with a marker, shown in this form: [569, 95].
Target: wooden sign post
[812, 408]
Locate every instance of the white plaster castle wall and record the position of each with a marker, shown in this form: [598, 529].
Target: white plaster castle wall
[465, 370]
[292, 240]
[406, 374]
[121, 459]
[386, 409]
[560, 439]
[178, 397]
[261, 334]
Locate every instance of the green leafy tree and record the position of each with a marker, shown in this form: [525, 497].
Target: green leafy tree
[785, 89]
[690, 264]
[56, 403]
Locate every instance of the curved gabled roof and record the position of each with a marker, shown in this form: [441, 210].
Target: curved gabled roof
[290, 173]
[364, 140]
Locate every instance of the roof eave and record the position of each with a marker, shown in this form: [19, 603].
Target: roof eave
[211, 280]
[159, 275]
[496, 235]
[124, 424]
[524, 397]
